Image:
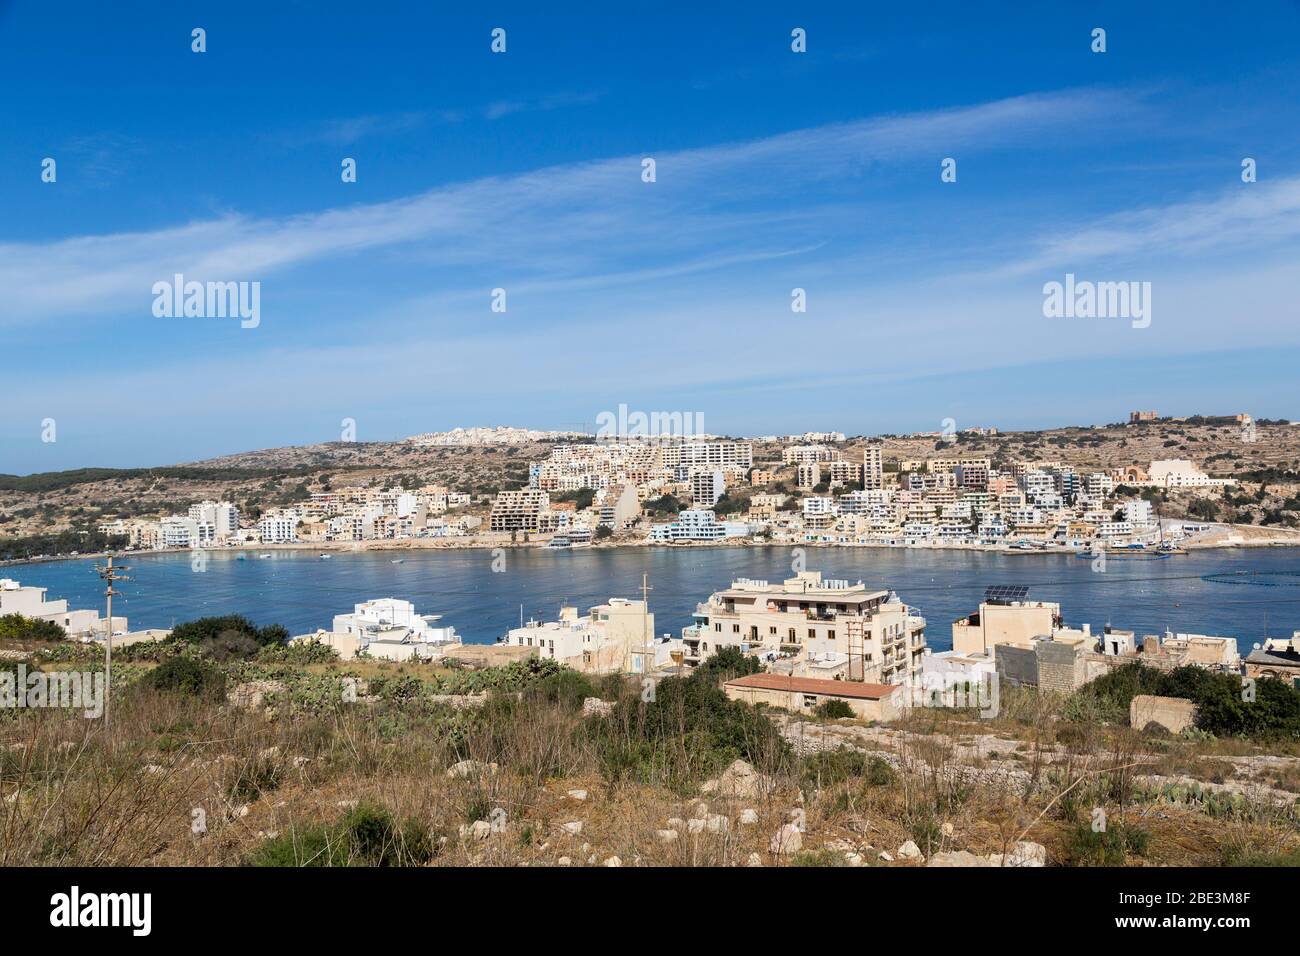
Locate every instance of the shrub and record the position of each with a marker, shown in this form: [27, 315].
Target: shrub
[185, 675]
[833, 710]
[208, 628]
[1085, 846]
[229, 646]
[366, 836]
[15, 627]
[690, 730]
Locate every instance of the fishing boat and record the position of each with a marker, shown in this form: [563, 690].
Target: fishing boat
[397, 561]
[267, 555]
[324, 557]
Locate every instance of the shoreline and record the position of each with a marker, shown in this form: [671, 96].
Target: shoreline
[470, 544]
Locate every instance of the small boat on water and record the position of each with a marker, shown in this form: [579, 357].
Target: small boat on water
[326, 556]
[397, 561]
[264, 555]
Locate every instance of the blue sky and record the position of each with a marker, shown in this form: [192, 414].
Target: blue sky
[522, 170]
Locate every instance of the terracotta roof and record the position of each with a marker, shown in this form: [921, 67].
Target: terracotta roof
[813, 685]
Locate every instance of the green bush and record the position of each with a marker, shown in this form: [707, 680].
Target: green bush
[1085, 846]
[185, 675]
[833, 710]
[15, 627]
[366, 836]
[1221, 711]
[211, 628]
[688, 731]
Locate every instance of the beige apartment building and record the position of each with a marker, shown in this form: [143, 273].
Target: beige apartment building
[997, 622]
[841, 627]
[518, 510]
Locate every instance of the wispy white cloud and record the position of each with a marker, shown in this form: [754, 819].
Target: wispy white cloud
[1245, 216]
[572, 222]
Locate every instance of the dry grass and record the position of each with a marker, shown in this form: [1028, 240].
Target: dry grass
[176, 781]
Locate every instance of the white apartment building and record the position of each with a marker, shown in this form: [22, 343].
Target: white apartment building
[222, 515]
[278, 527]
[178, 532]
[30, 602]
[707, 486]
[607, 640]
[808, 454]
[698, 524]
[390, 629]
[708, 454]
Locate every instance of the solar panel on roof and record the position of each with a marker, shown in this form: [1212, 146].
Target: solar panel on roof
[1006, 592]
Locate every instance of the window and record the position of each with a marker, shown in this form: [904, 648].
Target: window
[793, 639]
[830, 635]
[717, 627]
[771, 630]
[812, 634]
[735, 629]
[810, 700]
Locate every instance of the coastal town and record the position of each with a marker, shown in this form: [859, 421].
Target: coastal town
[809, 489]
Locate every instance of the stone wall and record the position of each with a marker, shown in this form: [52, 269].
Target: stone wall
[1060, 666]
[1175, 714]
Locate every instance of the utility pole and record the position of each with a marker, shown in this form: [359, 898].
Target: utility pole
[111, 575]
[645, 611]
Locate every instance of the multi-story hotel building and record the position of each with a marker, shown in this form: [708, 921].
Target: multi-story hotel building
[850, 629]
[518, 510]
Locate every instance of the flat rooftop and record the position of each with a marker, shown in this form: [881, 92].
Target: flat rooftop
[813, 685]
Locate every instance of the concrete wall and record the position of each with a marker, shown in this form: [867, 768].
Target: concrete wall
[1016, 664]
[1175, 714]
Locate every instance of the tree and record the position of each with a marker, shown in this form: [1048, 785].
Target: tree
[15, 627]
[211, 629]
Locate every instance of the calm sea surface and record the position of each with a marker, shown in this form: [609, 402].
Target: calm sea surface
[303, 592]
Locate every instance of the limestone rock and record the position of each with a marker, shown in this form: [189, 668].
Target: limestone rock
[959, 858]
[788, 839]
[741, 780]
[464, 769]
[1026, 853]
[910, 851]
[748, 817]
[251, 695]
